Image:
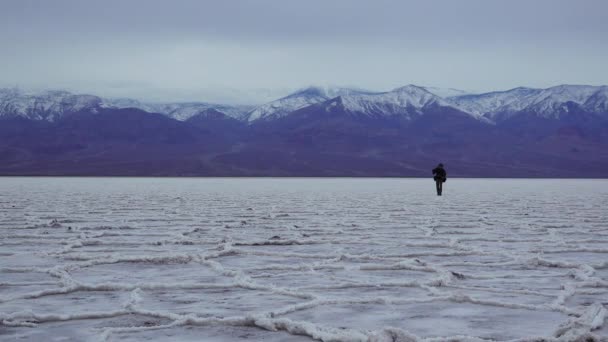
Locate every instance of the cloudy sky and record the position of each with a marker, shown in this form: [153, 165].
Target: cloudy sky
[252, 50]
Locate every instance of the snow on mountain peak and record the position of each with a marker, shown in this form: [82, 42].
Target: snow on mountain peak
[550, 102]
[406, 102]
[447, 92]
[415, 96]
[498, 101]
[299, 99]
[179, 110]
[50, 105]
[47, 105]
[598, 102]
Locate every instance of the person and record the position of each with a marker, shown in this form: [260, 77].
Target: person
[440, 177]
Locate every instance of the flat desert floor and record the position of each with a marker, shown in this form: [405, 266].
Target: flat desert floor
[194, 259]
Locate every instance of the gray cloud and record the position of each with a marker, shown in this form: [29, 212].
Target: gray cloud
[205, 48]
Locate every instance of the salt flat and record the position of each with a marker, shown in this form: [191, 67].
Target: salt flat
[133, 259]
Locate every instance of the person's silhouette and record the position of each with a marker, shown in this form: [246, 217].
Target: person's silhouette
[440, 177]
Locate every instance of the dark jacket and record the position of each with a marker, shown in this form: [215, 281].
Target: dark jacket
[439, 174]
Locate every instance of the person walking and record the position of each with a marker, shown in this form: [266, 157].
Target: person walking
[440, 176]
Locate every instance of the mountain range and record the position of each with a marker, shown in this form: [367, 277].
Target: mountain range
[560, 131]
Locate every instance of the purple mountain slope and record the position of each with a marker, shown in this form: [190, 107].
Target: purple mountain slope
[556, 132]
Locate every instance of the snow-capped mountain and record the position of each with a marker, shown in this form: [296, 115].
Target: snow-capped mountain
[405, 102]
[556, 132]
[547, 103]
[45, 106]
[180, 111]
[499, 101]
[598, 102]
[300, 99]
[52, 105]
[408, 101]
[447, 92]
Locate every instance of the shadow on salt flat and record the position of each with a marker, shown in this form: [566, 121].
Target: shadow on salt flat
[603, 332]
[583, 300]
[78, 330]
[292, 279]
[471, 258]
[379, 276]
[579, 257]
[79, 302]
[602, 273]
[438, 319]
[148, 273]
[394, 251]
[502, 295]
[327, 277]
[321, 249]
[152, 248]
[17, 283]
[243, 261]
[26, 277]
[372, 292]
[33, 259]
[548, 285]
[547, 280]
[209, 334]
[223, 302]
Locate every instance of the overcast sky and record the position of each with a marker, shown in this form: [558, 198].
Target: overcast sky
[253, 50]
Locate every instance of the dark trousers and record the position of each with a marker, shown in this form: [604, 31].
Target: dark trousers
[439, 185]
